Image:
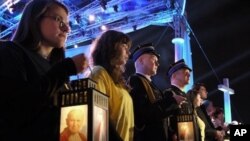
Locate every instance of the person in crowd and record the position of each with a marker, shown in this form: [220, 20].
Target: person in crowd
[74, 123]
[110, 53]
[195, 98]
[33, 69]
[149, 103]
[219, 119]
[210, 108]
[179, 74]
[211, 133]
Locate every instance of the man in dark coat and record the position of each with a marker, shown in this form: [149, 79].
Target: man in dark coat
[179, 74]
[150, 106]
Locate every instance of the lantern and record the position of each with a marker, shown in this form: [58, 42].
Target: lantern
[84, 112]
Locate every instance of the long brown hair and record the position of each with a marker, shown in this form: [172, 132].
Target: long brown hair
[191, 95]
[28, 33]
[106, 53]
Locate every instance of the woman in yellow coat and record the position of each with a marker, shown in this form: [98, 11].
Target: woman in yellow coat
[110, 53]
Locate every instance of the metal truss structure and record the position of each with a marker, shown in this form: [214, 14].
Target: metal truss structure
[122, 15]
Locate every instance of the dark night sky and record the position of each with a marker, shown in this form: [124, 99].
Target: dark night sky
[222, 28]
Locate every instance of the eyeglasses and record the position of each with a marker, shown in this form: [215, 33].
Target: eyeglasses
[62, 25]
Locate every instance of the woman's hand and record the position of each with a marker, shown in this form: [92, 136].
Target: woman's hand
[81, 62]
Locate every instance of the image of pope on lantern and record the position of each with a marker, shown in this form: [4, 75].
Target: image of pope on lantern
[73, 125]
[186, 131]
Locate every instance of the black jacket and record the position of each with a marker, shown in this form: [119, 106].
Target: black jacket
[150, 118]
[28, 88]
[176, 111]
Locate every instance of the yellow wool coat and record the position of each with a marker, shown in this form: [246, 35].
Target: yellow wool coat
[120, 103]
